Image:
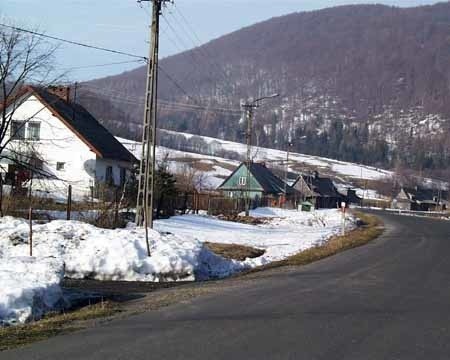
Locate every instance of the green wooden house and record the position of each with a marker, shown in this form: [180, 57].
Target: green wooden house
[262, 183]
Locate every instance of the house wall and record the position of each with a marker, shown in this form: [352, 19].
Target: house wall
[102, 164]
[303, 188]
[58, 144]
[402, 201]
[232, 188]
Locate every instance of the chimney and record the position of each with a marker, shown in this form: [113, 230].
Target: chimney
[63, 92]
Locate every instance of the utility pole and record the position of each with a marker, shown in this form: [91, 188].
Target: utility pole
[146, 179]
[248, 109]
[286, 172]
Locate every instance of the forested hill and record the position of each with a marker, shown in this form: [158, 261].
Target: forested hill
[367, 83]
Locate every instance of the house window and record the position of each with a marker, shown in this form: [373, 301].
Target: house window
[34, 131]
[60, 166]
[17, 130]
[109, 175]
[36, 163]
[123, 176]
[242, 181]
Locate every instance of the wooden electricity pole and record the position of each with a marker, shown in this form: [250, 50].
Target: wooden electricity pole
[286, 173]
[146, 179]
[248, 109]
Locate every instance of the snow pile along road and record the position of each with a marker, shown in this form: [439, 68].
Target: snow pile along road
[287, 233]
[29, 288]
[102, 254]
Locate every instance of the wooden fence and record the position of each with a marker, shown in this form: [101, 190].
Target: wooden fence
[216, 204]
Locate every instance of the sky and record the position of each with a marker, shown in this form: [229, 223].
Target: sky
[123, 25]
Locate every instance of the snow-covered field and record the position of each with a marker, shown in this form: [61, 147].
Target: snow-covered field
[80, 250]
[341, 168]
[287, 233]
[344, 171]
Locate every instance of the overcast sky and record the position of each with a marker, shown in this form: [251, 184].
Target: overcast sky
[123, 25]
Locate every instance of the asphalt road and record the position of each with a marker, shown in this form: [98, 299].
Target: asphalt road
[386, 300]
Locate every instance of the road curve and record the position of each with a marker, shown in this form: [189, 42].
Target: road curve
[389, 299]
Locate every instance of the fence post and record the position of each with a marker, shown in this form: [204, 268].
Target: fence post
[196, 202]
[69, 202]
[209, 204]
[1, 195]
[116, 208]
[30, 218]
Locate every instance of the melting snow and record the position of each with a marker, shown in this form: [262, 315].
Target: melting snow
[30, 285]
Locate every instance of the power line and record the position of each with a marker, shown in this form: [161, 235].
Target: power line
[103, 65]
[189, 53]
[118, 52]
[96, 48]
[201, 49]
[196, 50]
[117, 96]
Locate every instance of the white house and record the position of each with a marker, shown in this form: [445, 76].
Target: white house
[65, 141]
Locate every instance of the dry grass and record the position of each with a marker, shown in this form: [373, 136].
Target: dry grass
[53, 324]
[370, 228]
[249, 220]
[203, 166]
[234, 251]
[225, 165]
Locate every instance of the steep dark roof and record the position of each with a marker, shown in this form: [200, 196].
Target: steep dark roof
[322, 186]
[85, 126]
[351, 197]
[270, 183]
[422, 194]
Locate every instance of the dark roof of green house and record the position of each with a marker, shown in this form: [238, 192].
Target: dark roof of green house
[270, 183]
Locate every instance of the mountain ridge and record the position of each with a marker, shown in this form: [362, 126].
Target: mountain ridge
[356, 81]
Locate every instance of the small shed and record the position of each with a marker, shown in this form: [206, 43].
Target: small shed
[307, 206]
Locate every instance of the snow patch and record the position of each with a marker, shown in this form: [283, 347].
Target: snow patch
[29, 288]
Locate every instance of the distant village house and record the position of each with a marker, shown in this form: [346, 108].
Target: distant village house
[319, 191]
[421, 199]
[259, 182]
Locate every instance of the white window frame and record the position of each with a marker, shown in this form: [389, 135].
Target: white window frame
[60, 166]
[29, 126]
[243, 181]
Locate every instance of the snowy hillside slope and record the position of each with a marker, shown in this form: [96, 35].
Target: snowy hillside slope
[215, 168]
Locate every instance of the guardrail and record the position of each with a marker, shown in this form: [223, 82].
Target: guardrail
[432, 214]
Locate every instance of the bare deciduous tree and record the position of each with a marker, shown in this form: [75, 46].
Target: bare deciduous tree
[25, 58]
